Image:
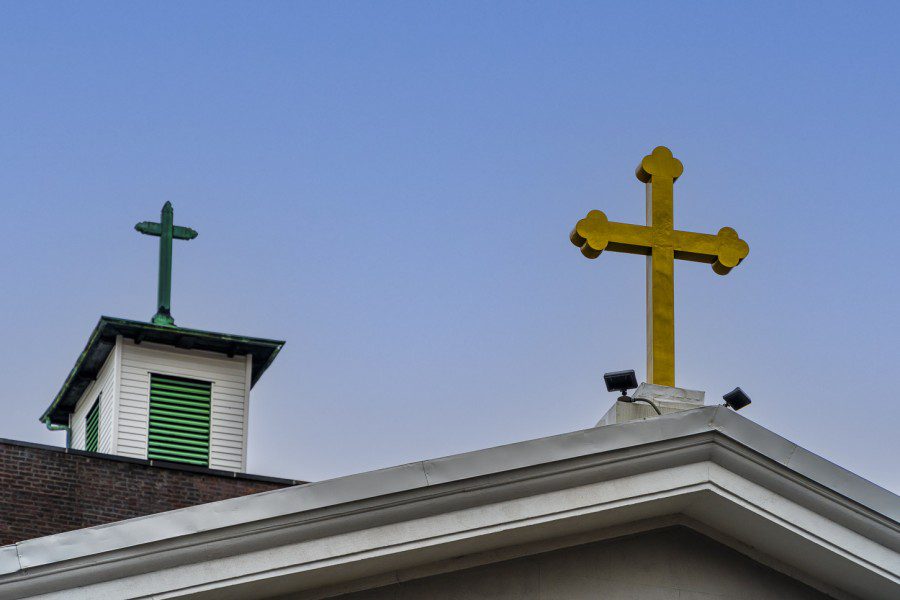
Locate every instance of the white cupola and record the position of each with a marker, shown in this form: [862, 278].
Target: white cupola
[161, 392]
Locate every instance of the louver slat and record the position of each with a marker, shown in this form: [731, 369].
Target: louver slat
[92, 428]
[179, 420]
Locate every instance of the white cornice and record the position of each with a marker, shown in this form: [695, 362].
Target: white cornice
[711, 465]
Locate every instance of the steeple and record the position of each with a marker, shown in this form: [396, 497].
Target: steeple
[156, 391]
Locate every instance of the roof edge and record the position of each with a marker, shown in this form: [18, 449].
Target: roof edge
[212, 341]
[675, 435]
[45, 417]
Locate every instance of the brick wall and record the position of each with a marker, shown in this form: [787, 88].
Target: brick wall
[46, 489]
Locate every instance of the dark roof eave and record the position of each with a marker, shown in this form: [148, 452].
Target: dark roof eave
[102, 340]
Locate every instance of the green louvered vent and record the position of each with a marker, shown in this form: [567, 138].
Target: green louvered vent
[92, 428]
[179, 419]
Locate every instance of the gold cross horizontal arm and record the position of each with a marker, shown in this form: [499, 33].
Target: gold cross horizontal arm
[595, 233]
[724, 251]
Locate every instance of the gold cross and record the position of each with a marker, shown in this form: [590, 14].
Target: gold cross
[661, 244]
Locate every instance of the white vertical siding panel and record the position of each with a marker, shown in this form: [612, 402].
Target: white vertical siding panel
[76, 419]
[248, 378]
[117, 384]
[227, 450]
[134, 403]
[228, 402]
[104, 388]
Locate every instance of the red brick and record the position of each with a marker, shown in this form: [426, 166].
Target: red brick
[46, 490]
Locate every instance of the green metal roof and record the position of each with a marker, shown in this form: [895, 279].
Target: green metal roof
[103, 339]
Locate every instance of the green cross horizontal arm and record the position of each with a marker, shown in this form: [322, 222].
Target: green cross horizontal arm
[166, 231]
[178, 232]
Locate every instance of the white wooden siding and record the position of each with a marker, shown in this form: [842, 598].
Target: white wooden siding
[229, 396]
[104, 387]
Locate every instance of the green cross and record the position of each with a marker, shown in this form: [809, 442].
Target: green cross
[166, 232]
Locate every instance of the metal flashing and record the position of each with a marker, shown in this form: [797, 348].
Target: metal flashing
[805, 463]
[9, 559]
[103, 338]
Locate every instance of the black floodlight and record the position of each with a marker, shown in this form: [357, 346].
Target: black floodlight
[620, 381]
[736, 399]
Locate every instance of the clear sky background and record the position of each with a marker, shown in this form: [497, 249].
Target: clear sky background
[390, 188]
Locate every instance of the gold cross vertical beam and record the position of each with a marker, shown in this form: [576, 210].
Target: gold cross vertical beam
[661, 243]
[659, 173]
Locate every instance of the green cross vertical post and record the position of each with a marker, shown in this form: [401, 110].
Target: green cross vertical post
[166, 231]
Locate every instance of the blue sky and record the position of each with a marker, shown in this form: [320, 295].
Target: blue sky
[390, 187]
